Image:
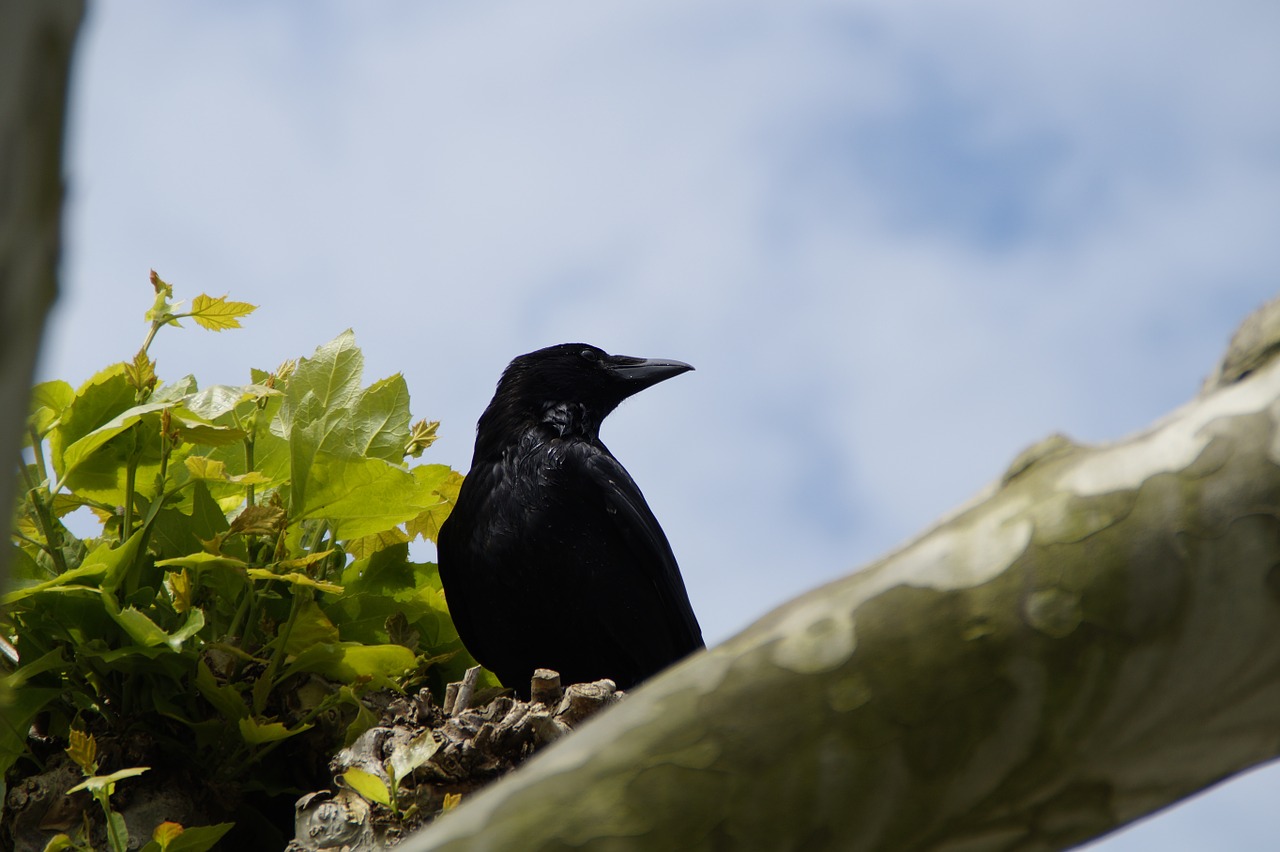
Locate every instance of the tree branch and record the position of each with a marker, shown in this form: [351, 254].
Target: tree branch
[1094, 638]
[36, 37]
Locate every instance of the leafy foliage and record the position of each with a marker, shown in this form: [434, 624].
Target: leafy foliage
[250, 582]
[405, 757]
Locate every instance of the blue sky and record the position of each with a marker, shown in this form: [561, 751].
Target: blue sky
[900, 242]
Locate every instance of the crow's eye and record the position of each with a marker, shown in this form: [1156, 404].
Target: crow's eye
[591, 355]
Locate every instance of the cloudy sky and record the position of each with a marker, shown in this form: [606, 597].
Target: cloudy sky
[899, 242]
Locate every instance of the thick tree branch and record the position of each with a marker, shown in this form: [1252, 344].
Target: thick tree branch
[36, 37]
[1094, 638]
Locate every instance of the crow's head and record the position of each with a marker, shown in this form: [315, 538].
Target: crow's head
[574, 380]
[583, 374]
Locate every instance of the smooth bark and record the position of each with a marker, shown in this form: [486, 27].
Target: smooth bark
[1093, 638]
[36, 39]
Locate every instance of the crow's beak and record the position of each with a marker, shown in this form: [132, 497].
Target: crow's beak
[640, 373]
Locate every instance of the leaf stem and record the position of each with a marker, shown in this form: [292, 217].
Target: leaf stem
[37, 449]
[151, 335]
[48, 526]
[130, 477]
[281, 640]
[248, 467]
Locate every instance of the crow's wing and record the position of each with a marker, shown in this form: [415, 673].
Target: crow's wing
[551, 558]
[635, 545]
[493, 571]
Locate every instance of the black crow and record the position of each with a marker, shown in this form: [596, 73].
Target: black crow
[551, 558]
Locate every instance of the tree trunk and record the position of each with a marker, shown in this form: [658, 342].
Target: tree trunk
[1094, 638]
[36, 37]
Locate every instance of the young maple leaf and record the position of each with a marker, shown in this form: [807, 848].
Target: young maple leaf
[140, 373]
[217, 314]
[421, 435]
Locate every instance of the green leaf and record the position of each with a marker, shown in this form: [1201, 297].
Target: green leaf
[23, 567]
[227, 700]
[270, 450]
[368, 496]
[175, 392]
[435, 481]
[364, 718]
[202, 560]
[165, 833]
[349, 661]
[98, 400]
[193, 625]
[141, 629]
[82, 748]
[368, 545]
[317, 398]
[195, 429]
[385, 584]
[105, 563]
[178, 532]
[444, 484]
[217, 401]
[421, 435]
[310, 627]
[52, 661]
[295, 579]
[117, 831]
[409, 756]
[202, 467]
[368, 785]
[171, 837]
[147, 633]
[94, 462]
[82, 449]
[359, 497]
[48, 401]
[130, 657]
[221, 578]
[118, 561]
[200, 838]
[324, 387]
[20, 708]
[217, 314]
[305, 561]
[141, 373]
[64, 504]
[257, 733]
[380, 421]
[100, 783]
[261, 691]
